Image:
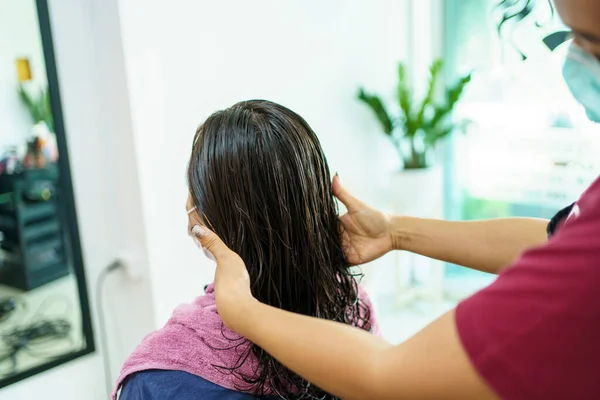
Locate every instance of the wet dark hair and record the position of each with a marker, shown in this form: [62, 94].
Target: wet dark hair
[260, 180]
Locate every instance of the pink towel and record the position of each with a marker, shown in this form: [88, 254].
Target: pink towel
[193, 341]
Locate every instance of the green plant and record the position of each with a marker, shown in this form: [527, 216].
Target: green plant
[420, 126]
[38, 106]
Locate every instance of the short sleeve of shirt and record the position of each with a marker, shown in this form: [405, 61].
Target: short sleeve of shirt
[535, 332]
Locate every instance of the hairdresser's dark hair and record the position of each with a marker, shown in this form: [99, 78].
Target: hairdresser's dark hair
[260, 180]
[515, 11]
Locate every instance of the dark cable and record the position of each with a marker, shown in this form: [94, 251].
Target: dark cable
[42, 331]
[102, 323]
[10, 306]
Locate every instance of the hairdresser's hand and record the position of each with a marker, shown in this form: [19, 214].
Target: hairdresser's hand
[232, 283]
[367, 232]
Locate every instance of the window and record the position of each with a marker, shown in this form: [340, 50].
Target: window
[529, 148]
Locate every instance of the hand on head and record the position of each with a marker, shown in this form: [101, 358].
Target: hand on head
[366, 232]
[232, 283]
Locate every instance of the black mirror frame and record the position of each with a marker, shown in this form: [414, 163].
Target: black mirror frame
[70, 210]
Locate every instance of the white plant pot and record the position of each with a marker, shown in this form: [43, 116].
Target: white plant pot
[41, 130]
[418, 193]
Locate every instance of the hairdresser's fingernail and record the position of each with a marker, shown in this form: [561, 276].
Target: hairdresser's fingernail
[199, 231]
[338, 176]
[208, 254]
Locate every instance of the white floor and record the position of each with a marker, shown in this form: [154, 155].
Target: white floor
[400, 322]
[55, 300]
[397, 325]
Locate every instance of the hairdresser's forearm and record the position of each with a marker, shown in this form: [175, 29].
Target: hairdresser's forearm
[333, 356]
[487, 245]
[352, 364]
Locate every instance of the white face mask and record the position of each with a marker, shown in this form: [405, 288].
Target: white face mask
[207, 253]
[582, 74]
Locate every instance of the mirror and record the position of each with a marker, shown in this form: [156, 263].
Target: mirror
[44, 313]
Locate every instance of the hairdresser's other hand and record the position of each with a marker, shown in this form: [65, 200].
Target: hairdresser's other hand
[367, 232]
[232, 283]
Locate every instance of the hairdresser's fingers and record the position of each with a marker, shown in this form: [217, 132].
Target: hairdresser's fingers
[351, 202]
[211, 242]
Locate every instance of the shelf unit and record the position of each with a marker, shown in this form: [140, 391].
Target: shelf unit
[34, 244]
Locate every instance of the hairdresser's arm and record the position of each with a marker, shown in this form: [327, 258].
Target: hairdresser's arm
[358, 365]
[342, 360]
[487, 245]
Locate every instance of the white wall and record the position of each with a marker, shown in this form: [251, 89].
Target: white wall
[186, 59]
[20, 39]
[426, 24]
[130, 124]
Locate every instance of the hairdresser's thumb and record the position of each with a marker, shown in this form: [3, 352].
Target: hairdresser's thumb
[211, 243]
[351, 202]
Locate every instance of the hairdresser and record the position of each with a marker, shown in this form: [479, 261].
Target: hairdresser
[532, 334]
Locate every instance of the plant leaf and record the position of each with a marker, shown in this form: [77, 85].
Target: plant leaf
[434, 72]
[377, 106]
[40, 109]
[432, 137]
[454, 93]
[405, 102]
[440, 113]
[26, 98]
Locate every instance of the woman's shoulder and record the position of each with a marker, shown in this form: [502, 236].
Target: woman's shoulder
[175, 385]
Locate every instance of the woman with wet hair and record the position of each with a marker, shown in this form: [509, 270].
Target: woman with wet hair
[258, 177]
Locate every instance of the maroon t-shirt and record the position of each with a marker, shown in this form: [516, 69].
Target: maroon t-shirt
[535, 332]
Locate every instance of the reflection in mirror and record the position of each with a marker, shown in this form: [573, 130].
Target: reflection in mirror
[43, 320]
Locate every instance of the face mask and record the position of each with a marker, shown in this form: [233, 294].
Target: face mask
[582, 74]
[207, 253]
